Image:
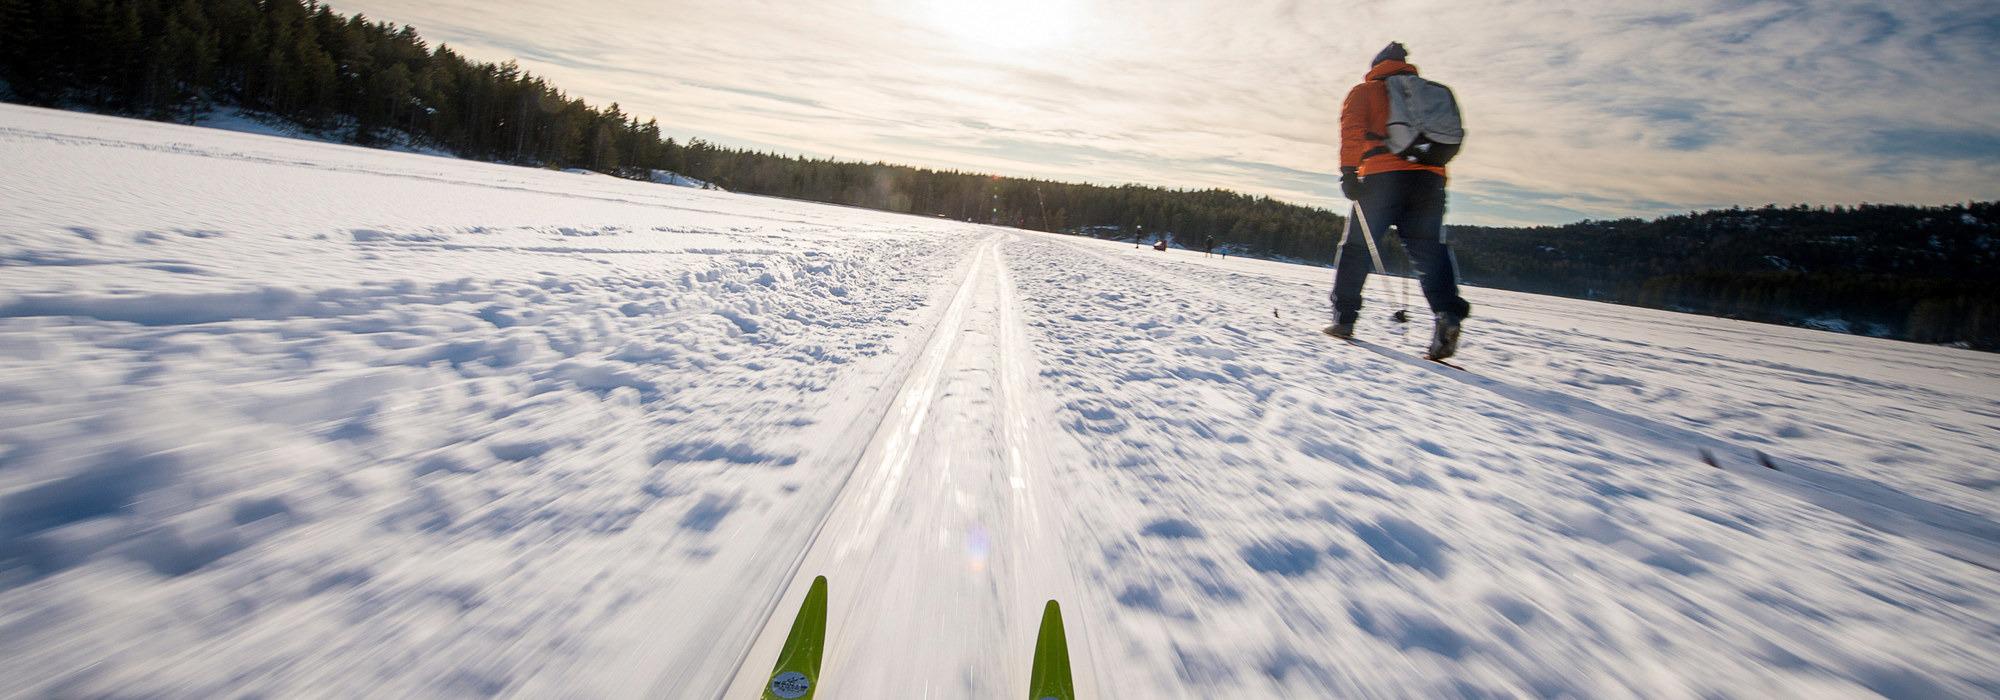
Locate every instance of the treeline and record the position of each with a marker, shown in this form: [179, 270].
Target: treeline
[1256, 225]
[372, 83]
[1930, 274]
[365, 81]
[1923, 273]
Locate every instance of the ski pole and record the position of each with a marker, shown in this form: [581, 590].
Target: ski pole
[1368, 236]
[1403, 285]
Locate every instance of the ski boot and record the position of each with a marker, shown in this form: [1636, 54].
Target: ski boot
[1342, 328]
[1444, 337]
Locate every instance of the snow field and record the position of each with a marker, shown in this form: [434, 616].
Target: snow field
[441, 436]
[288, 418]
[1336, 522]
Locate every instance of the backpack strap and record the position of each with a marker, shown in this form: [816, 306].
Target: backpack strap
[1379, 149]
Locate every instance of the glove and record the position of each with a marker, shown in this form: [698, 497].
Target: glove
[1350, 183]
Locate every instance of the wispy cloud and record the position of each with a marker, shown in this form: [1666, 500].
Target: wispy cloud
[1574, 109]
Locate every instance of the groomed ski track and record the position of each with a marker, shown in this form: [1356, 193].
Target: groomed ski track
[947, 539]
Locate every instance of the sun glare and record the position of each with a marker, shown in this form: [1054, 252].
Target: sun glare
[1004, 25]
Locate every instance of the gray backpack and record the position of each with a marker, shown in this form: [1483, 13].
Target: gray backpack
[1423, 121]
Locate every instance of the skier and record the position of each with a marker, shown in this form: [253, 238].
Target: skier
[1391, 191]
[1207, 246]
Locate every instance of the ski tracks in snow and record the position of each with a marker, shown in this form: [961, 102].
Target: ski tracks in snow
[947, 537]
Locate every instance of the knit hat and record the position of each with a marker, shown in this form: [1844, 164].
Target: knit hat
[1393, 52]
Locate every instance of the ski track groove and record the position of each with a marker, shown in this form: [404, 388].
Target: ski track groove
[1029, 438]
[883, 417]
[916, 449]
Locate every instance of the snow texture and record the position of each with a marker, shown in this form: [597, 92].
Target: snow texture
[288, 418]
[669, 177]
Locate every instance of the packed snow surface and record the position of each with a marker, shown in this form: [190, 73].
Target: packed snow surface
[282, 418]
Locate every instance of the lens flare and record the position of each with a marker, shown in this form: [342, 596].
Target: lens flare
[978, 545]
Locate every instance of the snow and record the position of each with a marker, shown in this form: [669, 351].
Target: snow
[669, 177]
[254, 122]
[288, 418]
[250, 122]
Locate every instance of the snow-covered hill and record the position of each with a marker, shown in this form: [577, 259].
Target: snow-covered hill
[288, 418]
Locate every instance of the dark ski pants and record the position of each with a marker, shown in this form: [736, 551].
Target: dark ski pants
[1413, 202]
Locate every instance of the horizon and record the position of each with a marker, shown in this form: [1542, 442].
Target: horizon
[1181, 98]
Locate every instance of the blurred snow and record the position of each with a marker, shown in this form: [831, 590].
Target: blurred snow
[287, 418]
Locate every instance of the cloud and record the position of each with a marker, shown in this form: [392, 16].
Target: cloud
[1574, 109]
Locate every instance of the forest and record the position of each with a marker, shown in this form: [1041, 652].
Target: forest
[1911, 272]
[1928, 274]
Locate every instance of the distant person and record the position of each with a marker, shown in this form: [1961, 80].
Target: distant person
[1207, 246]
[1402, 191]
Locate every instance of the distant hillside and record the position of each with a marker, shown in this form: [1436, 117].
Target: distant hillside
[1920, 273]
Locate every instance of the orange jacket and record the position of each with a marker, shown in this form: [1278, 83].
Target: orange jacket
[1364, 123]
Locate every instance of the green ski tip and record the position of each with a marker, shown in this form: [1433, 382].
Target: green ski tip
[797, 673]
[1050, 680]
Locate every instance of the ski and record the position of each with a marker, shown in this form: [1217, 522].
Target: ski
[1385, 351]
[1448, 364]
[797, 672]
[1050, 679]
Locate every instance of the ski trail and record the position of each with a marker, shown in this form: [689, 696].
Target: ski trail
[940, 549]
[731, 595]
[1034, 442]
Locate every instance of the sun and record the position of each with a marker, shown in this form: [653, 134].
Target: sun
[1004, 25]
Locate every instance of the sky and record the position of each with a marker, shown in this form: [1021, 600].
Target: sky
[1573, 110]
